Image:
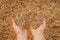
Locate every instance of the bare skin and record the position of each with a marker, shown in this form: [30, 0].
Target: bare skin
[21, 34]
[37, 33]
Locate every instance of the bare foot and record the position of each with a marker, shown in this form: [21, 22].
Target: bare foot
[21, 35]
[38, 33]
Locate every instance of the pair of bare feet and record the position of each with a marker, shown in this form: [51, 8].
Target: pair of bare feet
[37, 33]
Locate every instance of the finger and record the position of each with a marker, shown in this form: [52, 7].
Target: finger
[16, 28]
[42, 26]
[34, 31]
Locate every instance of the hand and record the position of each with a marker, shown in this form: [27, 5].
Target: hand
[38, 33]
[21, 34]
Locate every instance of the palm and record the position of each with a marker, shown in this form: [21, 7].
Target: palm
[38, 33]
[21, 35]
